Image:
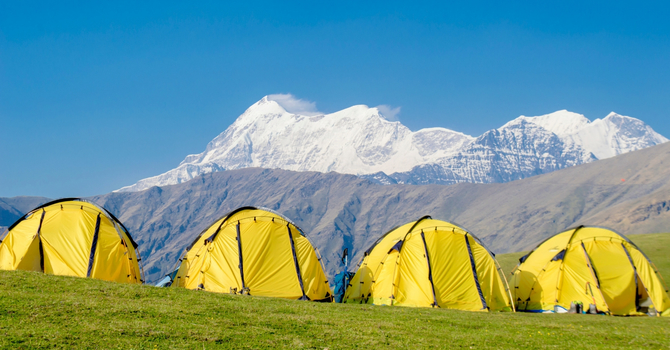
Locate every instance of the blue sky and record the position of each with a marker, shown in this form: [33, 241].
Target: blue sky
[94, 97]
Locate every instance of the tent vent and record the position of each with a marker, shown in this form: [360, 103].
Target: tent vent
[559, 256]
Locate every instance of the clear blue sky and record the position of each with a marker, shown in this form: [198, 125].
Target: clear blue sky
[95, 97]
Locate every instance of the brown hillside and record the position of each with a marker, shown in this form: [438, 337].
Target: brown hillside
[340, 211]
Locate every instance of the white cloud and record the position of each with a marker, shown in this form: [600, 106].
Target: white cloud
[390, 113]
[295, 105]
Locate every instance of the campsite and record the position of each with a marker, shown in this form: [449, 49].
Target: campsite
[334, 175]
[44, 311]
[214, 304]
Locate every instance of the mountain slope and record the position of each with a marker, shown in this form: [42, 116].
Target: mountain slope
[356, 140]
[340, 211]
[518, 150]
[12, 209]
[360, 141]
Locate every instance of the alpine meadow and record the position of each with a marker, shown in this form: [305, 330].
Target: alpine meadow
[349, 175]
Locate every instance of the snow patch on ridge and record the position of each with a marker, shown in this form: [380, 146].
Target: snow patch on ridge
[561, 123]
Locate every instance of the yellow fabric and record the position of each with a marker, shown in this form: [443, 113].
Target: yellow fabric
[111, 248]
[314, 279]
[20, 250]
[413, 287]
[66, 238]
[213, 262]
[133, 256]
[652, 282]
[455, 285]
[30, 261]
[386, 279]
[220, 270]
[361, 283]
[527, 292]
[615, 275]
[271, 272]
[390, 277]
[595, 269]
[578, 281]
[488, 272]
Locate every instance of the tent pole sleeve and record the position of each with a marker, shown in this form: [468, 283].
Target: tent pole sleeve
[593, 275]
[636, 278]
[395, 272]
[560, 268]
[375, 274]
[216, 233]
[239, 249]
[430, 270]
[94, 246]
[295, 261]
[39, 237]
[474, 272]
[637, 287]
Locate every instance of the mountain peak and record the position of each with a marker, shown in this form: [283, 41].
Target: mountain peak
[614, 117]
[561, 123]
[265, 106]
[284, 132]
[616, 134]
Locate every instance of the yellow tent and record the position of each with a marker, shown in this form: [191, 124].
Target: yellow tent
[72, 237]
[254, 251]
[430, 263]
[589, 266]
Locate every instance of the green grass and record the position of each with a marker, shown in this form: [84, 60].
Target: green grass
[509, 261]
[657, 248]
[42, 311]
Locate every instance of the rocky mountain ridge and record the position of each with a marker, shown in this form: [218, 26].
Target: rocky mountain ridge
[360, 141]
[629, 193]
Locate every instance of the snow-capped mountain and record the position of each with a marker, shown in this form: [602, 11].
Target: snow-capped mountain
[359, 140]
[605, 138]
[528, 146]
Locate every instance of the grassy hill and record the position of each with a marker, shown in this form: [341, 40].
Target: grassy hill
[655, 246]
[42, 311]
[509, 261]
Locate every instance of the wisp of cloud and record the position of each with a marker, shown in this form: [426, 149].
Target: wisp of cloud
[389, 113]
[295, 105]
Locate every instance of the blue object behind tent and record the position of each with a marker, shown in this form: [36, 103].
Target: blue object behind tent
[341, 283]
[342, 279]
[167, 280]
